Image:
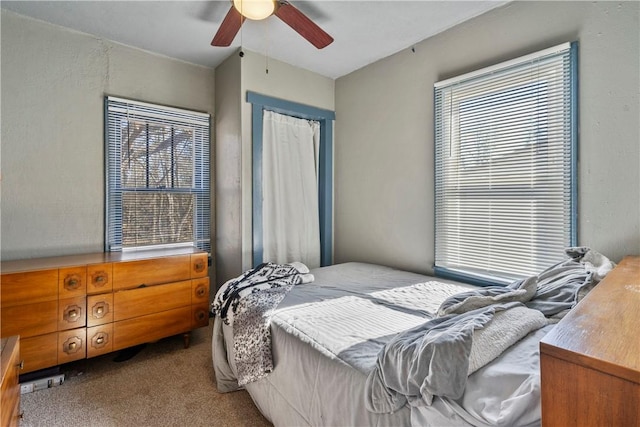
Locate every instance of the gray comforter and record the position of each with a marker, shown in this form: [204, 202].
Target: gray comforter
[434, 359]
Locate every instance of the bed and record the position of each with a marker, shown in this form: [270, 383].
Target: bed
[332, 336]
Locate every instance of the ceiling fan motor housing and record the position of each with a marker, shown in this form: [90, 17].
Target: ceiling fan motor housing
[255, 9]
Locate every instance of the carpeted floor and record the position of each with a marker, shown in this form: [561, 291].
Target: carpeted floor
[163, 385]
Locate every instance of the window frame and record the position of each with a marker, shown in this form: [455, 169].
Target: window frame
[259, 103]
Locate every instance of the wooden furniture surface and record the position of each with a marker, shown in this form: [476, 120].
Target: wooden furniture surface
[72, 307]
[590, 361]
[9, 388]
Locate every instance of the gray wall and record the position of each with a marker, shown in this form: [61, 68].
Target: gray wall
[228, 168]
[53, 84]
[384, 209]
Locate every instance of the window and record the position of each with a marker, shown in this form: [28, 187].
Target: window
[157, 176]
[505, 161]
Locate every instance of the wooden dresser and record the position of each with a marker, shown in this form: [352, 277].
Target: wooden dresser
[9, 387]
[73, 307]
[590, 362]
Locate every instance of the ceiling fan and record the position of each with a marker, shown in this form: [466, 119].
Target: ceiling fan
[262, 9]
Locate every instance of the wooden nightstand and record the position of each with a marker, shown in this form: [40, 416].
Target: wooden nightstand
[10, 390]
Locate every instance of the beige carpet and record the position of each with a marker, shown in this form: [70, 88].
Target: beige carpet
[163, 385]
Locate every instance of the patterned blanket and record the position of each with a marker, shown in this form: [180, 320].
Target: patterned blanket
[247, 303]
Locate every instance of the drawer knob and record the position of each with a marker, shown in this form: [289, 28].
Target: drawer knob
[199, 266]
[21, 365]
[72, 345]
[99, 340]
[72, 313]
[72, 282]
[201, 291]
[100, 309]
[100, 278]
[201, 315]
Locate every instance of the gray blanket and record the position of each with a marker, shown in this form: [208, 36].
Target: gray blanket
[434, 359]
[562, 286]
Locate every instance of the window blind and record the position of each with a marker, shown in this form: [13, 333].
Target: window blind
[157, 176]
[505, 167]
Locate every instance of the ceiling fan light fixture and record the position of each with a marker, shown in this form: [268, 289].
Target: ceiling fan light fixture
[255, 9]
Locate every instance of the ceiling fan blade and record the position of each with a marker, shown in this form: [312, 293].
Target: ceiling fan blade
[303, 25]
[228, 29]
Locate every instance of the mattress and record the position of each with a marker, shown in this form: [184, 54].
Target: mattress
[325, 339]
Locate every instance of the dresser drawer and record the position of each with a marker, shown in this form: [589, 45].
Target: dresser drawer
[72, 313]
[30, 319]
[99, 340]
[39, 352]
[99, 309]
[199, 265]
[132, 274]
[150, 299]
[200, 290]
[72, 282]
[72, 345]
[199, 316]
[152, 327]
[32, 286]
[99, 278]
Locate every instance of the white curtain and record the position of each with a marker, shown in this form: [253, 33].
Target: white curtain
[290, 221]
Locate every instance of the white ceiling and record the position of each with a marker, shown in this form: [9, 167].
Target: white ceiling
[364, 31]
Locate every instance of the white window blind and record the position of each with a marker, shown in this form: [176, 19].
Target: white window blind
[157, 176]
[505, 166]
